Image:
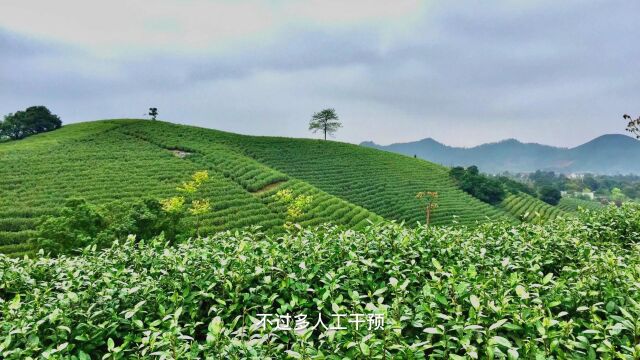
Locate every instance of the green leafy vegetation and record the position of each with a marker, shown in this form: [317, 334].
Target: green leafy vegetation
[573, 204]
[484, 188]
[115, 163]
[33, 120]
[550, 195]
[567, 289]
[168, 241]
[296, 205]
[614, 188]
[530, 209]
[326, 121]
[79, 224]
[382, 182]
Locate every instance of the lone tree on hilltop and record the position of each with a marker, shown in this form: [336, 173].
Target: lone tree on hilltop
[153, 112]
[33, 120]
[326, 121]
[633, 126]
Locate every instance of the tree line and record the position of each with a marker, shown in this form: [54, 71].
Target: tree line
[31, 121]
[493, 189]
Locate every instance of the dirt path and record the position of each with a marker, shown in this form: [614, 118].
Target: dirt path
[269, 187]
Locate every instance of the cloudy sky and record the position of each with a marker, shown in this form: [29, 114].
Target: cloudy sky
[462, 72]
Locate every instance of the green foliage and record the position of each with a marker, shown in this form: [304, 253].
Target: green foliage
[542, 179]
[565, 290]
[33, 120]
[80, 224]
[381, 182]
[143, 218]
[326, 121]
[573, 204]
[514, 187]
[617, 195]
[295, 205]
[482, 187]
[550, 195]
[178, 206]
[529, 209]
[128, 160]
[602, 185]
[153, 112]
[77, 226]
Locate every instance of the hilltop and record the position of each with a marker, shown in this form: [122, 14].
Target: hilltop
[109, 160]
[606, 154]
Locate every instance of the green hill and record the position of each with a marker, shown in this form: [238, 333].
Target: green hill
[109, 160]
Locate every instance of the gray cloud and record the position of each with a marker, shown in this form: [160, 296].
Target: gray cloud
[557, 73]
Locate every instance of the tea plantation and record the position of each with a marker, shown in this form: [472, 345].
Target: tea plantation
[358, 277]
[126, 160]
[572, 204]
[530, 209]
[568, 289]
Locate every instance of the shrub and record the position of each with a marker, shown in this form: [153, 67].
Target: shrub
[33, 120]
[80, 224]
[77, 225]
[550, 195]
[566, 289]
[479, 186]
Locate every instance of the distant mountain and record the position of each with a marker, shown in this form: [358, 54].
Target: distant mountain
[607, 154]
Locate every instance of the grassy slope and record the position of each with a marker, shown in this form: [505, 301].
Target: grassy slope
[128, 159]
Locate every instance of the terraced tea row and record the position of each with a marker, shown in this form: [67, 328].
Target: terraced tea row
[527, 208]
[131, 159]
[382, 182]
[572, 204]
[111, 163]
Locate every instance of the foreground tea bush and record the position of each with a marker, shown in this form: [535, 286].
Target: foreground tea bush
[567, 289]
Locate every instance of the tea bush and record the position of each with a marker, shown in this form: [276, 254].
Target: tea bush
[565, 289]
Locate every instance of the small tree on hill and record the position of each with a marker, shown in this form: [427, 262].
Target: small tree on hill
[153, 112]
[296, 205]
[326, 121]
[430, 199]
[175, 206]
[617, 196]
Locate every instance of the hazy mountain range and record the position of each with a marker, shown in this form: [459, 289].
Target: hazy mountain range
[607, 154]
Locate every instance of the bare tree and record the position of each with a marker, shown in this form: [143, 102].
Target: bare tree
[633, 126]
[430, 200]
